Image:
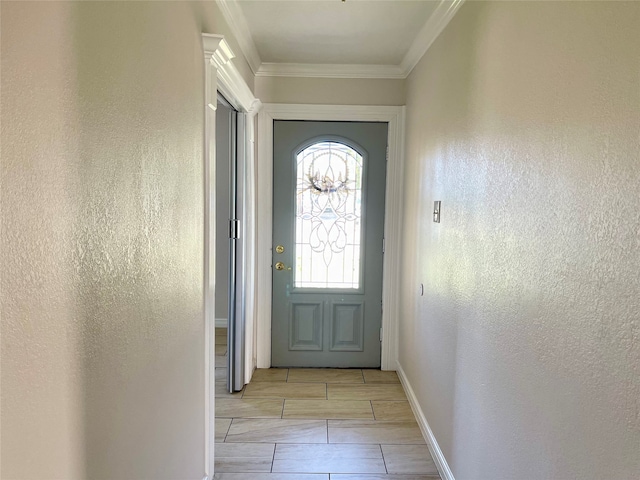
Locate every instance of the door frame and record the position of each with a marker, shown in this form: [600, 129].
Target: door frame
[395, 117]
[221, 75]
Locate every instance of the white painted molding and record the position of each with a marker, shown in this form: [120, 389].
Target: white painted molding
[217, 52]
[427, 433]
[232, 13]
[394, 208]
[230, 82]
[210, 47]
[264, 235]
[233, 87]
[394, 116]
[329, 70]
[434, 26]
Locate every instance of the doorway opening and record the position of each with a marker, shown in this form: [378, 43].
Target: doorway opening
[393, 117]
[229, 304]
[328, 234]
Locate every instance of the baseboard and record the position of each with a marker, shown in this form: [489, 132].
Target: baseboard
[221, 323]
[432, 443]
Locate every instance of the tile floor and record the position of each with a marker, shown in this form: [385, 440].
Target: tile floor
[317, 424]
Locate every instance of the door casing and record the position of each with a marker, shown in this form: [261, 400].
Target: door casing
[221, 75]
[394, 116]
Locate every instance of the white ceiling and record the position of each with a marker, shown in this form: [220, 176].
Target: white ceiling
[332, 38]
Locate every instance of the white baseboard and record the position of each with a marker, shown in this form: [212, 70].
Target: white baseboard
[221, 323]
[432, 443]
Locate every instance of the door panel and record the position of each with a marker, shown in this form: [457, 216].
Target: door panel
[236, 328]
[230, 174]
[305, 332]
[347, 327]
[329, 187]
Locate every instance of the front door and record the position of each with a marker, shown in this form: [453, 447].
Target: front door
[328, 225]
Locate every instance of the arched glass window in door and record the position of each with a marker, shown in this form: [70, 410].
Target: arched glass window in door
[328, 216]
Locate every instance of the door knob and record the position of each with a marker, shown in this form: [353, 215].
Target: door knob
[281, 266]
[279, 249]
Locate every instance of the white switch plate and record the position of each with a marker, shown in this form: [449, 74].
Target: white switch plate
[436, 211]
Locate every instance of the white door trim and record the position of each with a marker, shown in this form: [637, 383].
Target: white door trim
[393, 213]
[223, 76]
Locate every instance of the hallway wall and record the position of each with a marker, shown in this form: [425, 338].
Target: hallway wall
[102, 238]
[330, 91]
[524, 120]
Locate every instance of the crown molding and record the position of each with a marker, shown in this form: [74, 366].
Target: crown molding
[232, 13]
[434, 26]
[329, 70]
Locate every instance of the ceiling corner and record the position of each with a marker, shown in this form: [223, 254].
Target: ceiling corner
[233, 15]
[440, 18]
[434, 26]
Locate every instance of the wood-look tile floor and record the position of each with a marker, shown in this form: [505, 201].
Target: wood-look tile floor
[317, 424]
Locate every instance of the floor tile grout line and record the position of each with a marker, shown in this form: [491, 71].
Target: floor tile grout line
[224, 440]
[273, 458]
[327, 431]
[383, 459]
[278, 382]
[327, 441]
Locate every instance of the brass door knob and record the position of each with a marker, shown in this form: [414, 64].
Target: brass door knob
[279, 266]
[279, 249]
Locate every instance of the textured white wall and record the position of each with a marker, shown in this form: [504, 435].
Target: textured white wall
[42, 372]
[101, 243]
[330, 91]
[524, 352]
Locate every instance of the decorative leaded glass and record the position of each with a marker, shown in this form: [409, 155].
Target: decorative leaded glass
[328, 216]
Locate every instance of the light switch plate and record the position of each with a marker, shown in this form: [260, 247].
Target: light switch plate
[436, 211]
